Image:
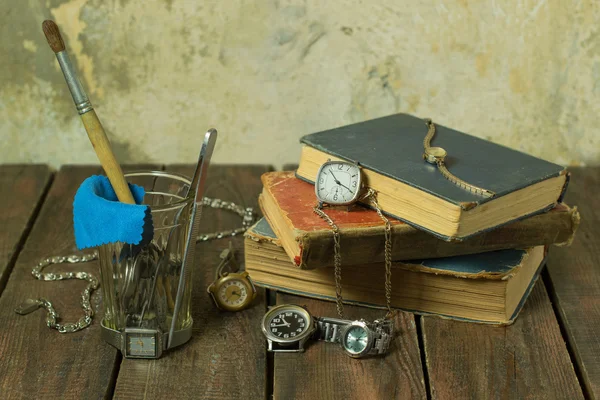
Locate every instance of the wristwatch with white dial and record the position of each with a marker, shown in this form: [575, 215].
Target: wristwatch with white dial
[358, 338]
[338, 183]
[287, 328]
[144, 343]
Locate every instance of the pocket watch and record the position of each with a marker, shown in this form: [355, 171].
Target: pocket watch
[231, 291]
[287, 327]
[437, 156]
[338, 183]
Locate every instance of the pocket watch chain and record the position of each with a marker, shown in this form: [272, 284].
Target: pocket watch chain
[436, 155]
[337, 261]
[30, 305]
[371, 195]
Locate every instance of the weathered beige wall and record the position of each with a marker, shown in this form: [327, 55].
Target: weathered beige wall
[264, 72]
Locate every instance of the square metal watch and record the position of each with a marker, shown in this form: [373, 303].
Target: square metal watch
[142, 343]
[338, 183]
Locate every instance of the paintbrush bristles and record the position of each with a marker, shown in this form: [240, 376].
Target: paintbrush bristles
[53, 36]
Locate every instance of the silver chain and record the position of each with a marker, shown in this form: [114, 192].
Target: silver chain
[30, 305]
[371, 195]
[337, 260]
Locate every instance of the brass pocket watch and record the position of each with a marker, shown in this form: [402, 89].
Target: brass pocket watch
[231, 290]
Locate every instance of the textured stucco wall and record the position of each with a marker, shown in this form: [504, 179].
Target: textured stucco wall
[264, 72]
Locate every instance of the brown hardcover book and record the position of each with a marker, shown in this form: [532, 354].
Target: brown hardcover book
[287, 203]
[486, 288]
[390, 152]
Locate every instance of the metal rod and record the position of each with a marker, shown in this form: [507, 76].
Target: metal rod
[196, 191]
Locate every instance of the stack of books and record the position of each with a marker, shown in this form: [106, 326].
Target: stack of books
[456, 253]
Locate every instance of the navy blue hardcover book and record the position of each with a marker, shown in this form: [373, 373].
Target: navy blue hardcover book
[487, 287]
[390, 152]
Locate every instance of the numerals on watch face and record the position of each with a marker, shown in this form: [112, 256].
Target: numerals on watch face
[338, 183]
[287, 323]
[233, 293]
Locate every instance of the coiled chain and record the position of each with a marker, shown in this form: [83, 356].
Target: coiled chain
[30, 305]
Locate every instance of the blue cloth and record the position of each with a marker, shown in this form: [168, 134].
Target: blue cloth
[99, 218]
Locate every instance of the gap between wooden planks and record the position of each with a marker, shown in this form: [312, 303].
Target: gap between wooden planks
[574, 279]
[324, 371]
[39, 362]
[23, 189]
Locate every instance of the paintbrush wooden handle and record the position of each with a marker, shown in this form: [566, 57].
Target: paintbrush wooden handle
[104, 152]
[90, 120]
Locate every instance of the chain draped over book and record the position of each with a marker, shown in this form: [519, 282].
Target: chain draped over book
[371, 196]
[436, 155]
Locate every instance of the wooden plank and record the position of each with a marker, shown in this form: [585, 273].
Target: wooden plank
[226, 356]
[72, 365]
[40, 362]
[324, 371]
[528, 359]
[575, 279]
[22, 188]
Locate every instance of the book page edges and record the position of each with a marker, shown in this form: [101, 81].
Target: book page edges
[444, 219]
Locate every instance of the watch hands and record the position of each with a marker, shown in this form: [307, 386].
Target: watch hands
[286, 325]
[346, 187]
[337, 182]
[334, 178]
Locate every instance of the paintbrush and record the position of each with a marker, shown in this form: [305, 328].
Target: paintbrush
[89, 118]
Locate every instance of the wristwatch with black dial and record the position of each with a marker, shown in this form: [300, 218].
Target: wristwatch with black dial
[287, 328]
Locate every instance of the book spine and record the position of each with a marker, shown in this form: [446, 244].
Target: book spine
[359, 246]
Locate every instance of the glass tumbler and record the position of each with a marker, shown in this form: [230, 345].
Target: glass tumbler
[140, 282]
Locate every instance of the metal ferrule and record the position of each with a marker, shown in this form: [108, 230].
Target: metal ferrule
[82, 103]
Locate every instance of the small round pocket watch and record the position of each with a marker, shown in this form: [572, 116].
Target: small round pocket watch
[231, 291]
[338, 183]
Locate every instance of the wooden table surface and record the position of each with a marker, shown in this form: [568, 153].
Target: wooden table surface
[552, 351]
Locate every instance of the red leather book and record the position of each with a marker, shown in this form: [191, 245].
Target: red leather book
[287, 202]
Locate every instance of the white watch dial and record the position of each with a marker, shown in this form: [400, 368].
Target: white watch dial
[233, 293]
[338, 183]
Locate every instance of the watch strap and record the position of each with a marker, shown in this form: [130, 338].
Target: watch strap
[330, 329]
[383, 331]
[115, 337]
